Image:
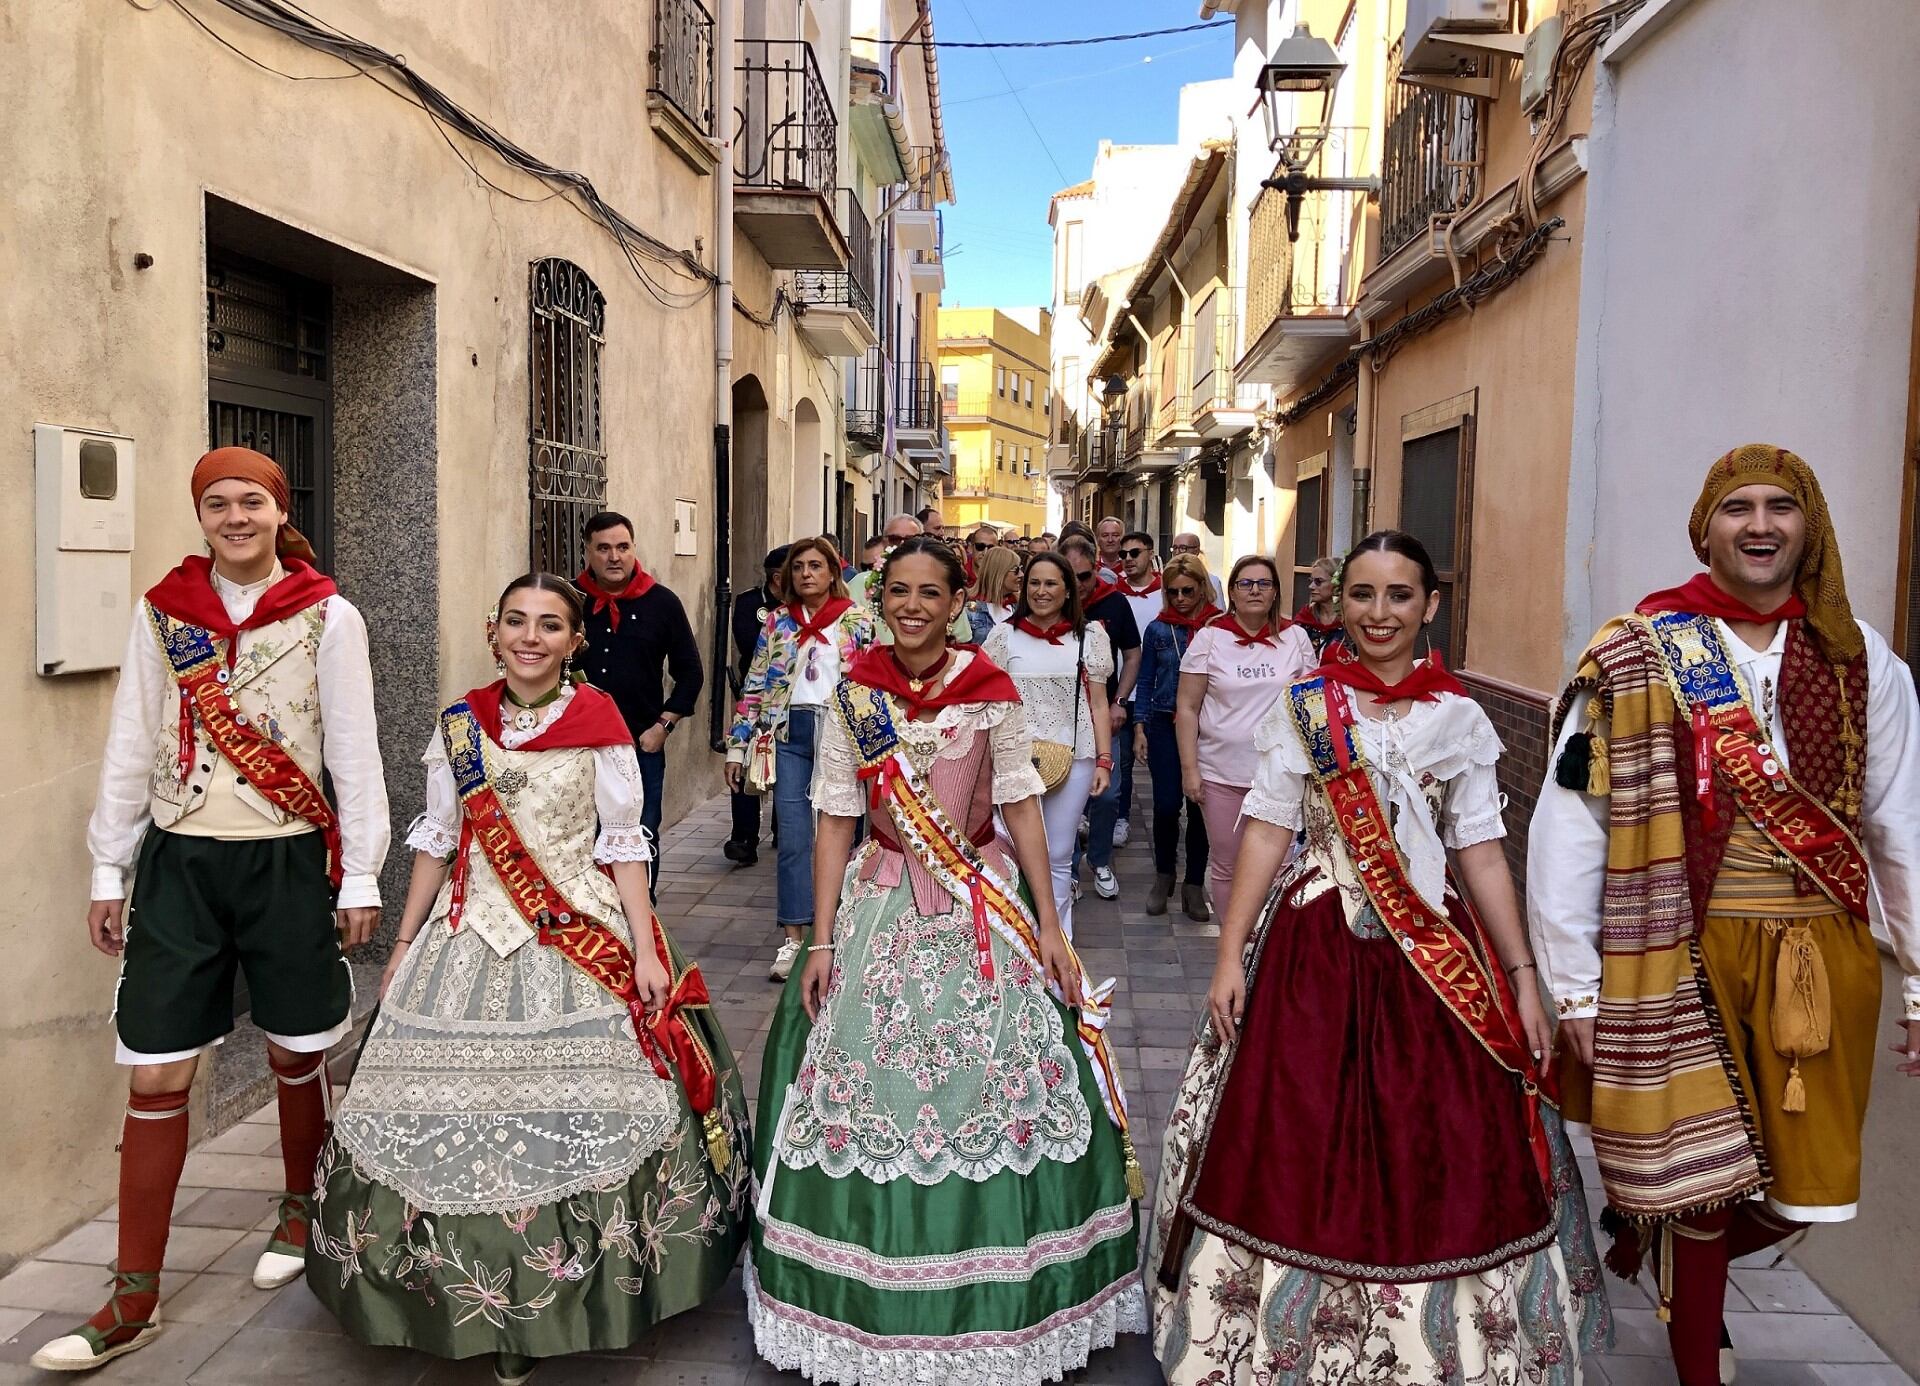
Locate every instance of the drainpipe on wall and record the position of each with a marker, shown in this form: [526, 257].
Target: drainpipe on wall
[718, 664]
[1365, 408]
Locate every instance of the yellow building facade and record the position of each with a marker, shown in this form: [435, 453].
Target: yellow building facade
[996, 396]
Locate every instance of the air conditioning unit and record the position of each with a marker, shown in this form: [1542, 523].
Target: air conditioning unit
[1451, 38]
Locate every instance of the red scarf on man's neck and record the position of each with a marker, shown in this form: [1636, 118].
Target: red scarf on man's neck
[981, 681]
[1266, 635]
[591, 718]
[187, 594]
[1424, 683]
[1126, 588]
[820, 624]
[1051, 634]
[1203, 615]
[1700, 595]
[1102, 589]
[602, 600]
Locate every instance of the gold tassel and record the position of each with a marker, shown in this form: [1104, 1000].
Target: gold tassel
[1599, 770]
[1136, 1177]
[1795, 1097]
[719, 1148]
[1663, 1275]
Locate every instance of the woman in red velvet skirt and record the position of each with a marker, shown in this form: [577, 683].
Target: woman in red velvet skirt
[1363, 1177]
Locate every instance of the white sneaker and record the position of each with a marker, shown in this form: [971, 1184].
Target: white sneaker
[1076, 887]
[783, 960]
[1120, 832]
[1105, 883]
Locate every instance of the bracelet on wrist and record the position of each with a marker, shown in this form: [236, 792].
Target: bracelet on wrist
[1104, 762]
[819, 947]
[1513, 969]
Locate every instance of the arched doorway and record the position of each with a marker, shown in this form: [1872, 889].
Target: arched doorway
[811, 506]
[748, 511]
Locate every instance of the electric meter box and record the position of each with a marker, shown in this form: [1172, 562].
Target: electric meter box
[83, 548]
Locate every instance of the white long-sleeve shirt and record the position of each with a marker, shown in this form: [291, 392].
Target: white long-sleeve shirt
[146, 701]
[1567, 842]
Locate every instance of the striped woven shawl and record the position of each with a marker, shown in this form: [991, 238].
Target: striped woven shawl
[1670, 1124]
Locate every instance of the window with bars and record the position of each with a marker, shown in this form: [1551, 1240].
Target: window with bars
[1436, 507]
[1309, 526]
[567, 458]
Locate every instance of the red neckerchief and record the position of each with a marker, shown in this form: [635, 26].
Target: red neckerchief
[1051, 634]
[609, 602]
[1102, 589]
[821, 622]
[981, 681]
[1305, 617]
[591, 718]
[1700, 595]
[1126, 588]
[187, 594]
[1424, 683]
[1204, 615]
[1266, 635]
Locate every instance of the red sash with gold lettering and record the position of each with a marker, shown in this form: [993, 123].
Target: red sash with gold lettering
[1455, 967]
[1727, 738]
[199, 662]
[587, 943]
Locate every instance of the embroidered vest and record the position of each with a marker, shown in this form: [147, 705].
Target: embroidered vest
[275, 684]
[1823, 709]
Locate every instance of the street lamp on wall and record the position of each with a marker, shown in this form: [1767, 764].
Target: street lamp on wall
[1301, 68]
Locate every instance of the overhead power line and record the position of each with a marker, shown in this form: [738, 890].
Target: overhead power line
[1084, 42]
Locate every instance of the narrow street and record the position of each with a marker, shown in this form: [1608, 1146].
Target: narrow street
[222, 1332]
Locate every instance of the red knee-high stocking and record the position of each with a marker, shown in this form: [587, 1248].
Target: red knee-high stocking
[1755, 1228]
[153, 1150]
[1696, 1293]
[302, 1087]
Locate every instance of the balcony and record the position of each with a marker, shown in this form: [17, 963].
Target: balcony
[785, 157]
[926, 271]
[1173, 417]
[1299, 293]
[680, 86]
[1430, 164]
[918, 418]
[1223, 405]
[834, 308]
[916, 219]
[973, 408]
[867, 404]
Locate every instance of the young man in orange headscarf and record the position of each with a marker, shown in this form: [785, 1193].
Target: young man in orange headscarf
[1736, 780]
[245, 678]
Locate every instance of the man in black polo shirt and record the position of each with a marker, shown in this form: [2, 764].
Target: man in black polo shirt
[634, 627]
[749, 615]
[1106, 604]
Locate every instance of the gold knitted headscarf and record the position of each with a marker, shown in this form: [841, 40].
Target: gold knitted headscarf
[1820, 583]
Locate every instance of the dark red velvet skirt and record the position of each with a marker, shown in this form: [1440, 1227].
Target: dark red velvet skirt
[1361, 1129]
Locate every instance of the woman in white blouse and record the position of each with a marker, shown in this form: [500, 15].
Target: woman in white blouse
[1361, 1165]
[506, 1124]
[1060, 662]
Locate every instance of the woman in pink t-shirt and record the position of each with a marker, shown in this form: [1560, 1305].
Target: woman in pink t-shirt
[1229, 677]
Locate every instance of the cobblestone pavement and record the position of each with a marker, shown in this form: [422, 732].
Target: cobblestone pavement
[221, 1330]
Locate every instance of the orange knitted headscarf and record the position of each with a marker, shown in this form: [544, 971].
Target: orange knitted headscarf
[244, 464]
[1820, 583]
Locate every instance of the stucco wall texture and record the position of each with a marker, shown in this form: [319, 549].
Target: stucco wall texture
[121, 122]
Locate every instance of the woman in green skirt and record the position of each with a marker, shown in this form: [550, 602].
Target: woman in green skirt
[945, 1183]
[542, 1150]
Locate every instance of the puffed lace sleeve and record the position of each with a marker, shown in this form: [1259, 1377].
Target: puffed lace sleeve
[1279, 788]
[619, 798]
[437, 831]
[836, 771]
[1099, 654]
[1014, 777]
[1472, 812]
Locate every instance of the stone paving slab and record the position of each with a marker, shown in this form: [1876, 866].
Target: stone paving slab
[223, 1332]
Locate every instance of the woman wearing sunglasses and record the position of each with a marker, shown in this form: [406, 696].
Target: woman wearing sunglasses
[995, 590]
[1230, 675]
[1163, 644]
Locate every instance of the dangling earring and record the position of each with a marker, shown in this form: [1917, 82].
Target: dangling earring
[566, 670]
[499, 662]
[493, 642]
[1426, 634]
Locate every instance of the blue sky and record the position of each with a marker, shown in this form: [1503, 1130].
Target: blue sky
[999, 250]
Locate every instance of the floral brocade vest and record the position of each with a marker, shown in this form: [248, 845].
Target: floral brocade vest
[275, 687]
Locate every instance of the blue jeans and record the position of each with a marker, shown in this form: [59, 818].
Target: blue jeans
[1163, 767]
[653, 769]
[793, 810]
[1104, 810]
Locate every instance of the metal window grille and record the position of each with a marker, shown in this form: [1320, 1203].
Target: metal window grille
[567, 459]
[682, 60]
[866, 401]
[1430, 159]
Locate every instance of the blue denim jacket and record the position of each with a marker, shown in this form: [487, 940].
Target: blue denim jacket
[1161, 648]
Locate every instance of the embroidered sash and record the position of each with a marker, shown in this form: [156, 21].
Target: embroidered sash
[925, 829]
[1728, 737]
[1480, 997]
[666, 1038]
[199, 662]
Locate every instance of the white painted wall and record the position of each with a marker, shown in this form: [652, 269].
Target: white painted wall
[1752, 212]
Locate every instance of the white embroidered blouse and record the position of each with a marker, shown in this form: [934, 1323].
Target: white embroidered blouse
[1048, 678]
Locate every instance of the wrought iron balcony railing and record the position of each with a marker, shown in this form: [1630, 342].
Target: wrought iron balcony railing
[919, 402]
[1430, 162]
[682, 60]
[867, 402]
[1313, 274]
[859, 233]
[786, 135]
[920, 179]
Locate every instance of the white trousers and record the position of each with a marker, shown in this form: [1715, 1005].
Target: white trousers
[1061, 807]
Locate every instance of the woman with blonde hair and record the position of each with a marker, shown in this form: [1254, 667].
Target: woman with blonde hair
[995, 591]
[1163, 644]
[804, 647]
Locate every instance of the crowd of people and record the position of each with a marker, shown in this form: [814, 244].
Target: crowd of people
[545, 1148]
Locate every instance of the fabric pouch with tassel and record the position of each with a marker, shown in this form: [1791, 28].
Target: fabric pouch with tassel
[1584, 766]
[1801, 1019]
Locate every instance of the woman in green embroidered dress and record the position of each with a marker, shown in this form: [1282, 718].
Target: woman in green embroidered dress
[942, 1161]
[511, 1171]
